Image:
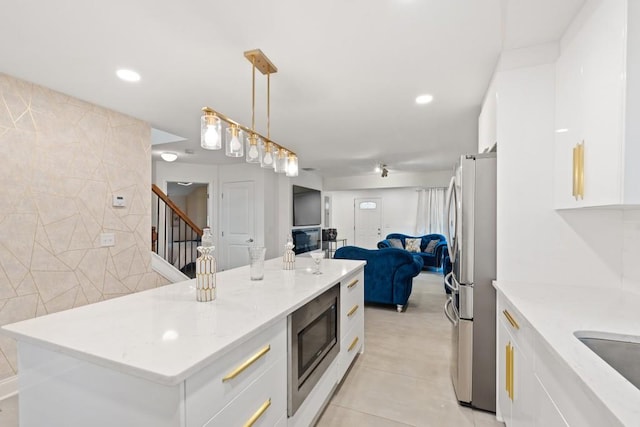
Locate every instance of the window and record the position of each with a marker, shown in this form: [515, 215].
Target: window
[368, 205]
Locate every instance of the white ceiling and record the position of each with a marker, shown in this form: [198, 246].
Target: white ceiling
[348, 70]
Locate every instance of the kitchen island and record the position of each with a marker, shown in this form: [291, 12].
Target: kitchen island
[161, 358]
[546, 375]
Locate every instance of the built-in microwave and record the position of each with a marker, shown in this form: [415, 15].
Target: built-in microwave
[312, 331]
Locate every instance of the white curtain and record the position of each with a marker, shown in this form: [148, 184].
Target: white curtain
[430, 217]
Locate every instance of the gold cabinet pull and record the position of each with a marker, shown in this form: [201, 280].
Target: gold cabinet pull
[246, 364]
[353, 310]
[581, 173]
[578, 171]
[511, 319]
[352, 284]
[353, 344]
[261, 410]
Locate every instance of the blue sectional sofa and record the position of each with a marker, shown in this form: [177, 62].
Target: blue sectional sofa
[388, 275]
[431, 258]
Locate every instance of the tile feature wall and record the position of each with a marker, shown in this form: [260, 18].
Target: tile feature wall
[63, 160]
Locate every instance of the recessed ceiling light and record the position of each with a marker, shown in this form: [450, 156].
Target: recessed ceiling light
[424, 99]
[563, 130]
[168, 157]
[128, 75]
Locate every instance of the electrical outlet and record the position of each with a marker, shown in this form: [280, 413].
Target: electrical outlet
[107, 239]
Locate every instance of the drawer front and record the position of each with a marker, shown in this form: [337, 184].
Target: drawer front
[209, 390]
[350, 345]
[264, 402]
[516, 324]
[351, 301]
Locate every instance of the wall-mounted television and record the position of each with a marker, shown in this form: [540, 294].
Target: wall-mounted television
[307, 206]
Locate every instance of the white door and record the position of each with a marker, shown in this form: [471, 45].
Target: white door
[238, 223]
[367, 222]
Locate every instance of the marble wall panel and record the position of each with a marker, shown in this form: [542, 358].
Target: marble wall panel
[66, 158]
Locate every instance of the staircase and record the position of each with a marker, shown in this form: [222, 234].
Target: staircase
[174, 236]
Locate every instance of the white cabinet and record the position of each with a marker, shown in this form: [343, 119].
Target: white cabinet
[254, 371]
[595, 109]
[535, 387]
[351, 321]
[515, 369]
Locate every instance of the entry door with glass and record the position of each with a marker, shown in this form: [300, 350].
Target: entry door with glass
[367, 222]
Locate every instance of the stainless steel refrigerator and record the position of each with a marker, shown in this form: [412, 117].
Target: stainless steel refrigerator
[471, 307]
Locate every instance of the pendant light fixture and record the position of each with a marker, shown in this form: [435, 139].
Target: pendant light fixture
[242, 141]
[210, 130]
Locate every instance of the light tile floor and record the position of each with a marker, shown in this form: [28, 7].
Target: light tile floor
[402, 378]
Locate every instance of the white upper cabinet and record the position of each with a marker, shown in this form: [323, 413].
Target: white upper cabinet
[597, 146]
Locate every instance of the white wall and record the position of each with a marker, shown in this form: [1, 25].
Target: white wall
[536, 243]
[394, 180]
[631, 250]
[399, 211]
[285, 197]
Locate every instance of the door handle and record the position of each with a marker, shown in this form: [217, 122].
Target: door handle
[250, 240]
[453, 321]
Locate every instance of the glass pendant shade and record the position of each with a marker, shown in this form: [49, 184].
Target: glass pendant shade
[253, 151]
[282, 160]
[292, 165]
[233, 146]
[267, 157]
[210, 131]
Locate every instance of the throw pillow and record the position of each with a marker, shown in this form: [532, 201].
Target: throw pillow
[412, 245]
[431, 246]
[396, 243]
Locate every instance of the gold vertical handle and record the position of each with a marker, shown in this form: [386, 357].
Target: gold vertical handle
[352, 284]
[581, 172]
[246, 364]
[261, 410]
[576, 172]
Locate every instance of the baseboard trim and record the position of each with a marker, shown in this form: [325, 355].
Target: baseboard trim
[8, 387]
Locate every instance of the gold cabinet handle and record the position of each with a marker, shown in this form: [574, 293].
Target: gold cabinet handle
[353, 344]
[353, 310]
[261, 410]
[578, 171]
[246, 364]
[511, 319]
[581, 173]
[352, 284]
[575, 172]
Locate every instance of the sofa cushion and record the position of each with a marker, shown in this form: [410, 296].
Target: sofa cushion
[431, 246]
[396, 243]
[412, 245]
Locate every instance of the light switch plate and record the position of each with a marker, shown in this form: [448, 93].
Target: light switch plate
[107, 239]
[118, 201]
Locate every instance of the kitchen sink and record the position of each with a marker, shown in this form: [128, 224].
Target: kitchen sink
[621, 352]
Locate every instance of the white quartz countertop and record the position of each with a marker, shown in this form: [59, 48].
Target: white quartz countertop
[165, 335]
[556, 312]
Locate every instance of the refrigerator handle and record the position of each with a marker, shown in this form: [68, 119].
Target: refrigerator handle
[449, 302]
[452, 285]
[447, 234]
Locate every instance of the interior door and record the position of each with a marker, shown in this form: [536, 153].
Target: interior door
[238, 223]
[367, 222]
